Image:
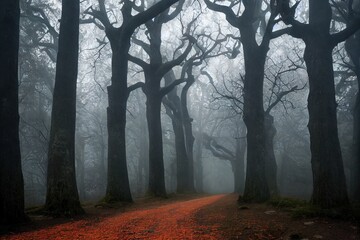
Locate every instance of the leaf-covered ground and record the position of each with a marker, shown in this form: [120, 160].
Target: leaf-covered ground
[206, 217]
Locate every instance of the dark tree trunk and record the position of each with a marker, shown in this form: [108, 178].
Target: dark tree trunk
[198, 167]
[271, 166]
[11, 178]
[182, 170]
[189, 137]
[154, 72]
[118, 186]
[62, 196]
[353, 49]
[80, 165]
[256, 186]
[156, 161]
[329, 188]
[356, 147]
[143, 165]
[329, 185]
[239, 165]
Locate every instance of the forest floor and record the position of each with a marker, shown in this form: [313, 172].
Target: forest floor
[187, 217]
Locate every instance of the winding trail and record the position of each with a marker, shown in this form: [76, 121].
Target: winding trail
[171, 221]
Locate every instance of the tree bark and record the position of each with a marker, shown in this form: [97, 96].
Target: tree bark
[156, 159]
[174, 109]
[329, 188]
[256, 186]
[62, 197]
[189, 137]
[143, 165]
[239, 165]
[271, 166]
[80, 165]
[118, 186]
[329, 185]
[352, 46]
[356, 148]
[11, 178]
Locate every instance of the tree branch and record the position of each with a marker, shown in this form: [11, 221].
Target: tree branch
[165, 90]
[346, 33]
[229, 14]
[144, 65]
[135, 86]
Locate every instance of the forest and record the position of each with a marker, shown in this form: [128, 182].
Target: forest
[122, 104]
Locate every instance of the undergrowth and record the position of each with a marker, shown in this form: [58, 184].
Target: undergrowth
[304, 209]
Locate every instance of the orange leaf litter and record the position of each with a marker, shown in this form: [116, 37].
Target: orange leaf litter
[172, 221]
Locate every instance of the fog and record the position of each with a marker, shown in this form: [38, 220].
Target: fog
[215, 101]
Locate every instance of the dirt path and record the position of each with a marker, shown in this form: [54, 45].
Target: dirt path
[209, 217]
[172, 221]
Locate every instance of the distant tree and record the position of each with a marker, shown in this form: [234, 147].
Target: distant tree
[37, 55]
[172, 105]
[118, 188]
[11, 178]
[177, 109]
[329, 189]
[62, 196]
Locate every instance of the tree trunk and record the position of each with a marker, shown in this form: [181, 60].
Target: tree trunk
[143, 168]
[352, 46]
[118, 186]
[80, 165]
[271, 166]
[256, 186]
[183, 167]
[182, 170]
[198, 167]
[189, 137]
[156, 161]
[62, 196]
[239, 171]
[356, 147]
[11, 178]
[329, 189]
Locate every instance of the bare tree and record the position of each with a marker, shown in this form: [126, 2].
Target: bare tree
[118, 188]
[154, 72]
[256, 187]
[329, 188]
